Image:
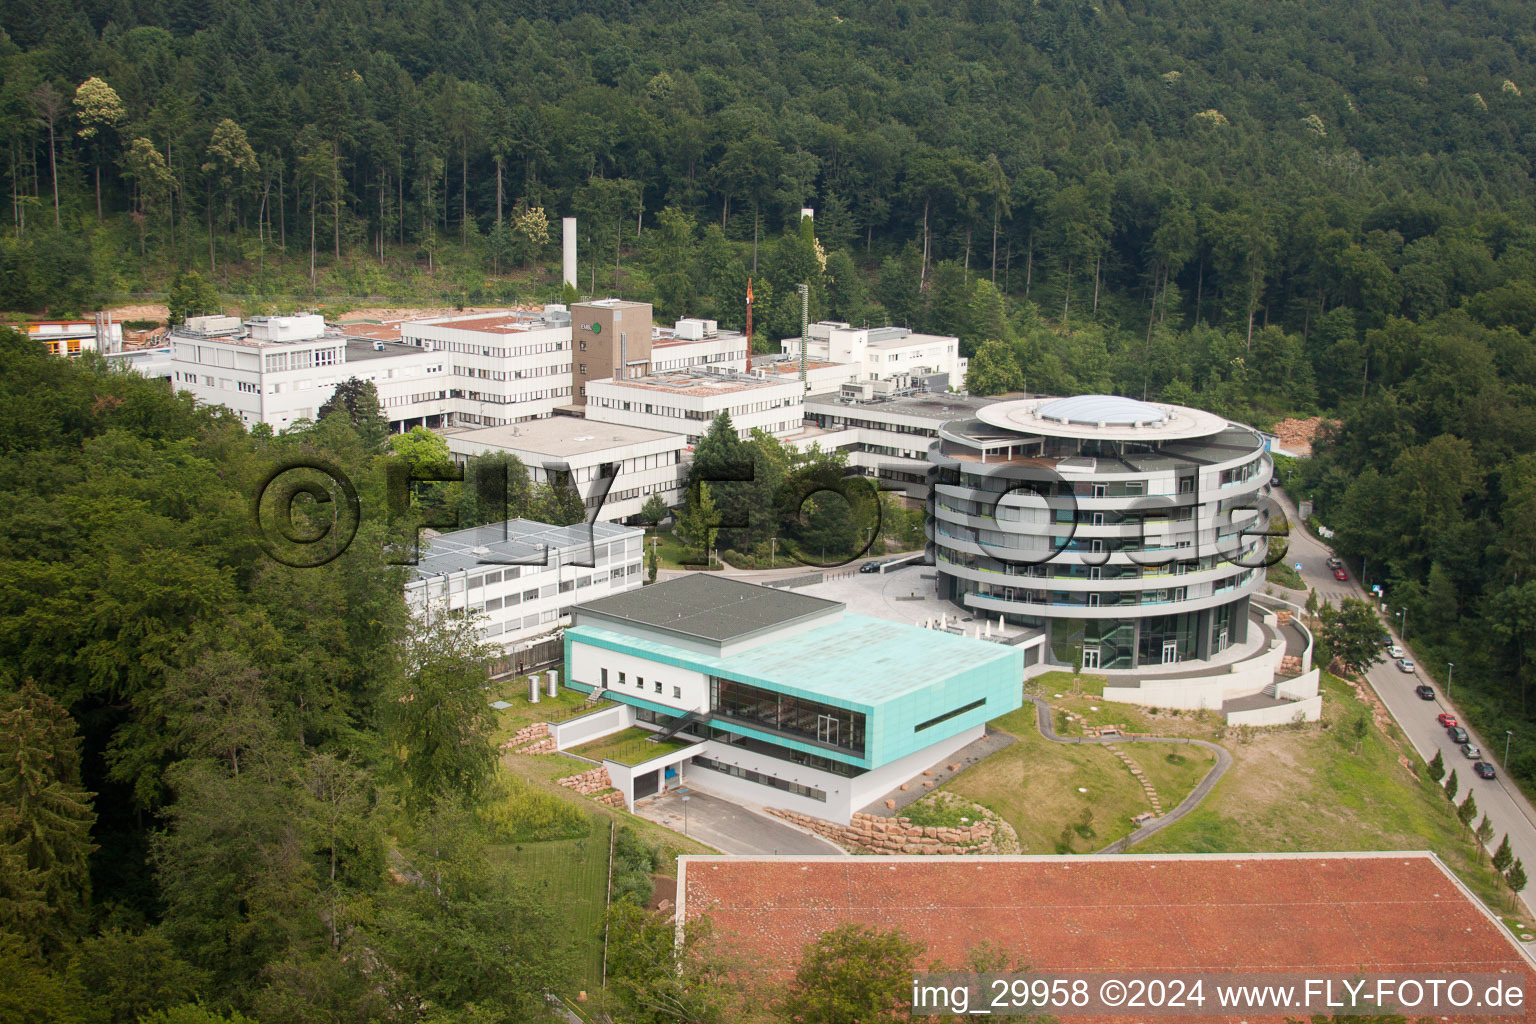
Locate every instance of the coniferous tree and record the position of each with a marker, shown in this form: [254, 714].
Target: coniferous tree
[1467, 809]
[1515, 876]
[1503, 856]
[1451, 786]
[1436, 767]
[45, 821]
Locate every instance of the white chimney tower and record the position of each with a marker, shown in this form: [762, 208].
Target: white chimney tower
[568, 233]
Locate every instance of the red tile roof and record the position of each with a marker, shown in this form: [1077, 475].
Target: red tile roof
[1329, 913]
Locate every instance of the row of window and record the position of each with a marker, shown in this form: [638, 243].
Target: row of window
[677, 691]
[493, 351]
[492, 398]
[810, 792]
[538, 371]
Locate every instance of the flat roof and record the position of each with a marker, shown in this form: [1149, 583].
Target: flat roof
[689, 382]
[388, 330]
[514, 539]
[791, 367]
[908, 341]
[930, 405]
[512, 321]
[360, 350]
[709, 607]
[1327, 912]
[563, 436]
[852, 660]
[667, 337]
[1118, 419]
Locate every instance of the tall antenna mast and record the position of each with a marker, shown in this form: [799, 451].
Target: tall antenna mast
[749, 325]
[805, 323]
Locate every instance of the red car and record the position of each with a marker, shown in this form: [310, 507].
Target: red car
[1340, 574]
[1446, 720]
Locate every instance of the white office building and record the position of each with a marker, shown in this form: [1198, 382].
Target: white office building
[687, 401]
[693, 343]
[588, 453]
[889, 437]
[504, 367]
[524, 577]
[280, 370]
[892, 354]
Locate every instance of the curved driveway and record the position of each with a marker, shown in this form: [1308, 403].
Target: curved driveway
[1189, 803]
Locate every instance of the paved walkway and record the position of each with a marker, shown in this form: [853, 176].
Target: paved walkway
[729, 827]
[1189, 803]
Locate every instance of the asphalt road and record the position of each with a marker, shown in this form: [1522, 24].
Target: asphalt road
[731, 828]
[1507, 809]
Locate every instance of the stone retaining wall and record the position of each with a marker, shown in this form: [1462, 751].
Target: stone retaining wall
[874, 834]
[588, 783]
[530, 734]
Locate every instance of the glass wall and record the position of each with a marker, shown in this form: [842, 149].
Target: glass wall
[1169, 638]
[806, 720]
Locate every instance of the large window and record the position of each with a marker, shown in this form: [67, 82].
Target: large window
[806, 720]
[762, 780]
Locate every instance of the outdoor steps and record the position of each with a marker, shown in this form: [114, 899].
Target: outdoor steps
[1136, 772]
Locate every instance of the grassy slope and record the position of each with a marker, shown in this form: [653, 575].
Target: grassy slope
[1033, 784]
[574, 873]
[1308, 790]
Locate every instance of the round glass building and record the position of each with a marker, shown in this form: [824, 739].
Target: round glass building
[1133, 533]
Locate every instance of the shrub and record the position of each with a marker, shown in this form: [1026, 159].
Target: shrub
[527, 814]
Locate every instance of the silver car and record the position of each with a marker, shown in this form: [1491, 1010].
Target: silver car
[1396, 651]
[1471, 752]
[1405, 665]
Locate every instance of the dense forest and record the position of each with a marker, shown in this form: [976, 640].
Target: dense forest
[212, 764]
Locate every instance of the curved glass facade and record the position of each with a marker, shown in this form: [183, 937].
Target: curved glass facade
[1138, 547]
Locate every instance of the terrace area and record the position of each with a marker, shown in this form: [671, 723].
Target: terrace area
[630, 746]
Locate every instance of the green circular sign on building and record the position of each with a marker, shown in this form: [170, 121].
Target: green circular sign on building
[595, 327]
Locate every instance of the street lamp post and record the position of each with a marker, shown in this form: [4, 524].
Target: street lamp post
[773, 557]
[1507, 734]
[1449, 679]
[1402, 613]
[685, 814]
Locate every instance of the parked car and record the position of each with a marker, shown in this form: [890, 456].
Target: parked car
[1340, 574]
[1470, 752]
[1396, 651]
[1335, 563]
[1446, 719]
[1458, 734]
[1425, 692]
[1483, 769]
[870, 567]
[1405, 665]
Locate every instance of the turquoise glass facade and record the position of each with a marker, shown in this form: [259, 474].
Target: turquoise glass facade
[915, 687]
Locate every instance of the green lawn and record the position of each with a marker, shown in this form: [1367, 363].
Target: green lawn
[672, 552]
[1307, 790]
[523, 711]
[572, 875]
[1048, 684]
[629, 746]
[1283, 574]
[1034, 785]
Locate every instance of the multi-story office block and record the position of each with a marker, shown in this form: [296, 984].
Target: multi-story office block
[1133, 532]
[631, 463]
[523, 577]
